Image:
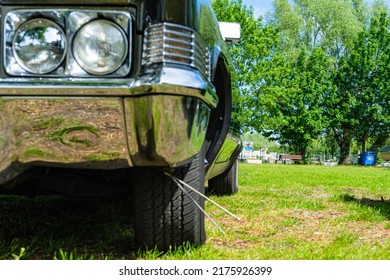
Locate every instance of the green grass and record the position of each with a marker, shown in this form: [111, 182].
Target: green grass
[287, 212]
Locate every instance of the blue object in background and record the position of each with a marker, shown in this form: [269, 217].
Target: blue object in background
[367, 158]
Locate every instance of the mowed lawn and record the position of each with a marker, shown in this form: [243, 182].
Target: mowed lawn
[287, 212]
[309, 212]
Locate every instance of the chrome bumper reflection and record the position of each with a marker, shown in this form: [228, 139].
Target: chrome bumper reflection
[99, 133]
[165, 129]
[85, 133]
[151, 124]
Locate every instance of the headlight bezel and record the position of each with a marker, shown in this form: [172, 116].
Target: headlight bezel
[83, 64]
[48, 23]
[70, 21]
[79, 19]
[15, 20]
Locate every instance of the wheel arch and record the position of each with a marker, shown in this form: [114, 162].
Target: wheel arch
[220, 116]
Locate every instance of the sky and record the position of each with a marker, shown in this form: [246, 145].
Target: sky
[261, 7]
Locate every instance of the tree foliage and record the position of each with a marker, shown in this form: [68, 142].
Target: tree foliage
[328, 24]
[317, 69]
[291, 99]
[362, 100]
[248, 56]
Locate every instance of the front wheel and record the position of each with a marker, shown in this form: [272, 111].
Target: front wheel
[225, 183]
[164, 214]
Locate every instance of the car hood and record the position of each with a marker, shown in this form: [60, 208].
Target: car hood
[85, 2]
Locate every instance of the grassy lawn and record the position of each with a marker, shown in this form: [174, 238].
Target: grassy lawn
[287, 212]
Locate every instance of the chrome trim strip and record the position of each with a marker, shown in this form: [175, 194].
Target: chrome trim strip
[226, 157]
[159, 79]
[177, 82]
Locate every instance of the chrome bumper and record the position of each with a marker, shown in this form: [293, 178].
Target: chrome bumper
[152, 121]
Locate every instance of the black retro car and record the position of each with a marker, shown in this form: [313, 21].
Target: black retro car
[105, 97]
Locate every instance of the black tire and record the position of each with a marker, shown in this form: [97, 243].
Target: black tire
[225, 183]
[164, 215]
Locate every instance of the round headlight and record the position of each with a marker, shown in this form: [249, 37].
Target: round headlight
[100, 47]
[39, 46]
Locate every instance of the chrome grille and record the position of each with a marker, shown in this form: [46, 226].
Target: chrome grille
[171, 43]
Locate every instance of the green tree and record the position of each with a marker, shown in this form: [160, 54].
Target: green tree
[333, 25]
[329, 24]
[364, 77]
[248, 55]
[318, 68]
[291, 98]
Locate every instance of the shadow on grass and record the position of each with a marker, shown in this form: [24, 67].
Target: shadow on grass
[381, 205]
[46, 227]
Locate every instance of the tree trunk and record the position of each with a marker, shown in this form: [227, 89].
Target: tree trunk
[344, 154]
[344, 142]
[303, 154]
[364, 140]
[345, 146]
